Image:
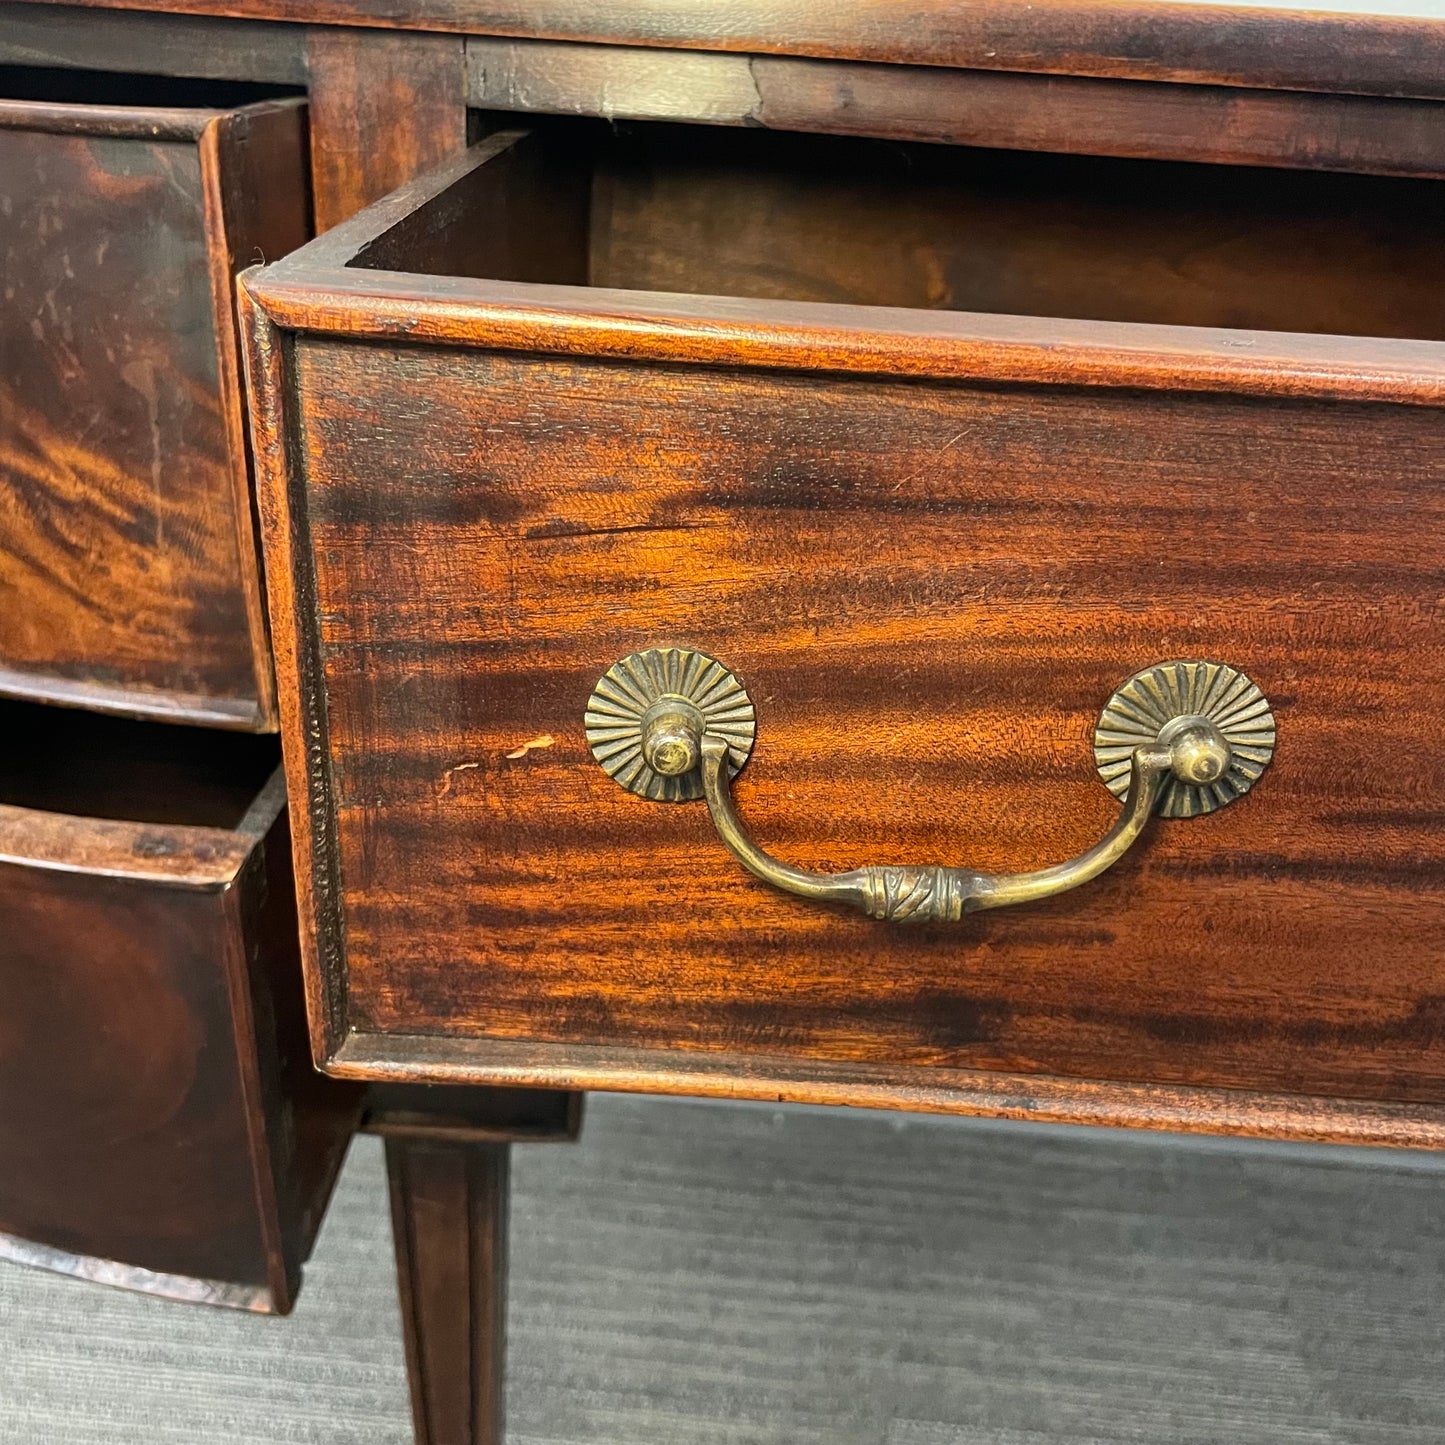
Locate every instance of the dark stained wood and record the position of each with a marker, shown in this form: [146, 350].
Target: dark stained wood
[129, 571]
[384, 108]
[160, 1126]
[257, 208]
[478, 1116]
[1038, 1098]
[1386, 49]
[448, 1155]
[332, 293]
[537, 201]
[290, 595]
[794, 218]
[449, 1205]
[155, 44]
[1064, 114]
[931, 545]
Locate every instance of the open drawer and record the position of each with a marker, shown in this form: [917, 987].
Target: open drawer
[129, 565]
[161, 1126]
[584, 395]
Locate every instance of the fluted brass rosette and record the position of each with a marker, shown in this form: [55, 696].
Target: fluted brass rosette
[648, 714]
[1160, 703]
[1181, 738]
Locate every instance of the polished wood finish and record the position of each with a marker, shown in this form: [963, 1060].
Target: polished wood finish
[931, 545]
[405, 92]
[384, 109]
[573, 395]
[1072, 115]
[129, 572]
[1396, 47]
[992, 1094]
[449, 1205]
[160, 1126]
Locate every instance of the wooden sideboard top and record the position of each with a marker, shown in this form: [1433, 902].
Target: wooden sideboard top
[1374, 47]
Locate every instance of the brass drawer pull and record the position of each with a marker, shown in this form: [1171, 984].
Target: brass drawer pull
[1180, 739]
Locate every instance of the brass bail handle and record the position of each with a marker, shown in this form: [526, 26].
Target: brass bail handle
[1180, 739]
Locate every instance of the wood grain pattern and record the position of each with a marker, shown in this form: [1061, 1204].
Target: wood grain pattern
[160, 1126]
[1074, 115]
[449, 1205]
[129, 570]
[384, 108]
[930, 587]
[257, 206]
[1393, 47]
[929, 607]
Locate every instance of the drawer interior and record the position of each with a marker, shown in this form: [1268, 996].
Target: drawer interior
[832, 219]
[63, 760]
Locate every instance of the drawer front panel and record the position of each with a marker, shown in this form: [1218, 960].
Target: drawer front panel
[128, 569]
[161, 1124]
[124, 1127]
[930, 590]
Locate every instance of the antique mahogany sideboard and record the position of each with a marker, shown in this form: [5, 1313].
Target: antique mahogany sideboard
[671, 477]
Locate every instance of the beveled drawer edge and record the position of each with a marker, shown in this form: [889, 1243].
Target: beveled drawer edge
[1041, 1098]
[255, 1299]
[320, 288]
[121, 122]
[244, 715]
[161, 854]
[170, 856]
[883, 342]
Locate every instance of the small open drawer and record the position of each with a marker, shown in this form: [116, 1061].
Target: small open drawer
[933, 450]
[160, 1124]
[129, 566]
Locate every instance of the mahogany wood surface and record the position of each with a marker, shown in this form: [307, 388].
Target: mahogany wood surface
[931, 545]
[1377, 47]
[160, 1125]
[1074, 115]
[1080, 114]
[384, 109]
[770, 1078]
[449, 1206]
[129, 572]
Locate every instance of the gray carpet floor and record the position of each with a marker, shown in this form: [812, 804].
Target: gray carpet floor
[694, 1274]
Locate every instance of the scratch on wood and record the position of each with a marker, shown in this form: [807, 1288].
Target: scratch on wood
[545, 741]
[447, 777]
[953, 441]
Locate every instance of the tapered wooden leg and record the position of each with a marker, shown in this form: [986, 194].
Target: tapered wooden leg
[449, 1203]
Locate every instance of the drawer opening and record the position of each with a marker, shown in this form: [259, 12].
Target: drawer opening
[700, 211]
[63, 760]
[101, 88]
